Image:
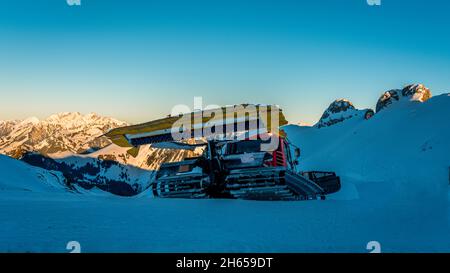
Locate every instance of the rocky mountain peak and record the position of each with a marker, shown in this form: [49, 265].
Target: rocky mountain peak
[341, 110]
[412, 92]
[340, 105]
[337, 111]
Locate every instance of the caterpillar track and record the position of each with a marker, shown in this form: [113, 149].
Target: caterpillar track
[272, 184]
[181, 187]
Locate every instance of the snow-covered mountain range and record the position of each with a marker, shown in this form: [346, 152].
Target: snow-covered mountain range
[64, 132]
[75, 135]
[72, 144]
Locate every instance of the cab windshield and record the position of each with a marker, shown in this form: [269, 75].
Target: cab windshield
[242, 147]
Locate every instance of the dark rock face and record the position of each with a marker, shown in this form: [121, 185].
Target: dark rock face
[387, 98]
[413, 92]
[341, 110]
[337, 106]
[338, 111]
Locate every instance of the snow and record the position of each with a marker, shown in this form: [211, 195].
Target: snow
[341, 115]
[60, 155]
[18, 176]
[406, 144]
[394, 170]
[112, 224]
[29, 121]
[137, 176]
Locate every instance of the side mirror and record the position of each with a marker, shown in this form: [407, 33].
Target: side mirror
[297, 152]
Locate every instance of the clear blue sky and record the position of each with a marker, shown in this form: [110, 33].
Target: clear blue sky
[135, 60]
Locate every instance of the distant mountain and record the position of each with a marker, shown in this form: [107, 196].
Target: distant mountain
[64, 132]
[341, 110]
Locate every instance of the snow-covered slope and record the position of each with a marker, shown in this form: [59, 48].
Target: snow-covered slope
[64, 132]
[406, 144]
[19, 176]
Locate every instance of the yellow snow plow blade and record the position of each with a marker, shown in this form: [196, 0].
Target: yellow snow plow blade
[159, 130]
